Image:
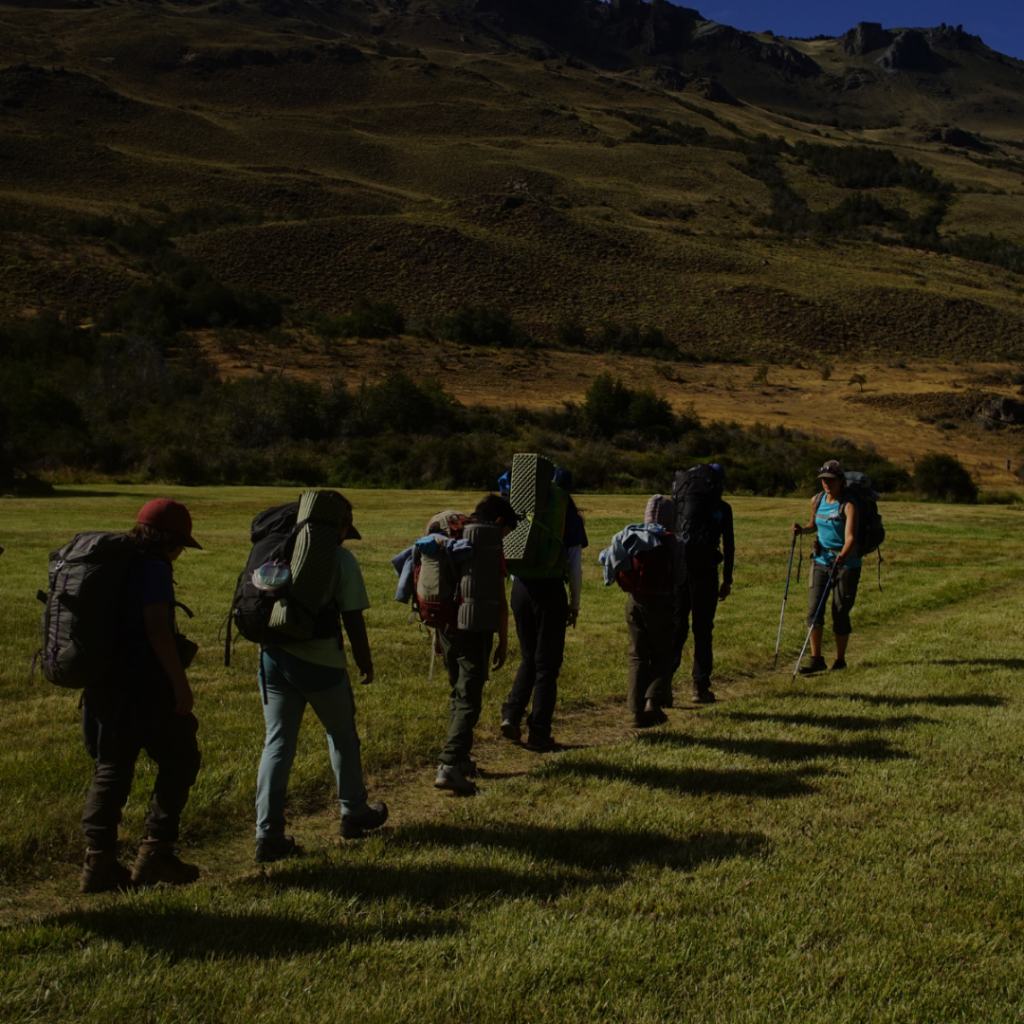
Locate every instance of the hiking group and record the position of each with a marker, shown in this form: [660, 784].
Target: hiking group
[110, 629]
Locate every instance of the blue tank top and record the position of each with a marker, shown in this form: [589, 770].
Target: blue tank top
[832, 532]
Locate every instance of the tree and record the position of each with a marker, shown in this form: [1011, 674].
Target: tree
[858, 378]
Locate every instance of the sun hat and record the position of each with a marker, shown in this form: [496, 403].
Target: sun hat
[170, 515]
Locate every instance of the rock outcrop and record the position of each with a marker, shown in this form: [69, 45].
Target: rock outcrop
[909, 52]
[866, 37]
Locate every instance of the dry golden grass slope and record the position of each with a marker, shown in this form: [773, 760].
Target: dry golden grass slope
[448, 152]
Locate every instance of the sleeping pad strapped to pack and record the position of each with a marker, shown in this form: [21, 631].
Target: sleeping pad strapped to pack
[299, 541]
[457, 573]
[535, 549]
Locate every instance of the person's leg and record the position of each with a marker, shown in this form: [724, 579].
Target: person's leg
[551, 612]
[524, 611]
[336, 709]
[470, 654]
[639, 658]
[680, 623]
[282, 713]
[659, 615]
[113, 770]
[175, 751]
[704, 595]
[817, 581]
[843, 598]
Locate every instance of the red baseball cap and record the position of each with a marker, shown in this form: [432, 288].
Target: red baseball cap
[170, 515]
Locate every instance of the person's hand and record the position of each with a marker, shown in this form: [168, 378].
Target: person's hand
[840, 562]
[183, 700]
[367, 678]
[724, 591]
[500, 654]
[574, 614]
[797, 528]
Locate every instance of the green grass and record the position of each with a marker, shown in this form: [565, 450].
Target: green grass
[835, 849]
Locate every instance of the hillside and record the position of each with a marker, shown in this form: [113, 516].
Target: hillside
[573, 162]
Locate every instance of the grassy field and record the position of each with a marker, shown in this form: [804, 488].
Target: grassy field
[841, 849]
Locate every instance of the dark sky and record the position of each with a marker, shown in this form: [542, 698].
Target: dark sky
[1000, 23]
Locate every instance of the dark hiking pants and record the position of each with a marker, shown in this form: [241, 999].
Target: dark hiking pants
[467, 658]
[114, 741]
[697, 599]
[649, 621]
[541, 610]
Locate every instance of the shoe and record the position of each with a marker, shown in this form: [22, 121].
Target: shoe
[468, 768]
[814, 665]
[103, 872]
[704, 696]
[838, 665]
[543, 745]
[654, 714]
[157, 862]
[449, 777]
[355, 826]
[510, 730]
[268, 850]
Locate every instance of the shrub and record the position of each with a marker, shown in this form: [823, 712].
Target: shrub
[367, 320]
[944, 477]
[479, 325]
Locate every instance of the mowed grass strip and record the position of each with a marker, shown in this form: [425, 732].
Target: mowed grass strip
[844, 848]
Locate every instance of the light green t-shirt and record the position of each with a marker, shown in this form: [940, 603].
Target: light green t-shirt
[349, 594]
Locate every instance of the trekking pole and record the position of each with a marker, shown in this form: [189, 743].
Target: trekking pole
[821, 604]
[785, 596]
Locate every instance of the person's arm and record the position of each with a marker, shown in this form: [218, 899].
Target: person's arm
[850, 538]
[728, 552]
[575, 582]
[355, 628]
[156, 620]
[810, 527]
[501, 652]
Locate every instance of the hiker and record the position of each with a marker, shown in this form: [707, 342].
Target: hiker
[460, 593]
[145, 703]
[542, 614]
[834, 516]
[643, 559]
[704, 529]
[294, 673]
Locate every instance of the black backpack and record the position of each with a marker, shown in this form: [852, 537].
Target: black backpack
[273, 536]
[696, 493]
[84, 608]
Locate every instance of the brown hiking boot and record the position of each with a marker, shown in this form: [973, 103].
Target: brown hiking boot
[157, 862]
[103, 872]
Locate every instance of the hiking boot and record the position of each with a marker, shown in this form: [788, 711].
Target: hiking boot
[468, 768]
[543, 745]
[838, 665]
[268, 849]
[704, 695]
[814, 665]
[103, 872]
[511, 731]
[355, 826]
[654, 714]
[449, 777]
[157, 862]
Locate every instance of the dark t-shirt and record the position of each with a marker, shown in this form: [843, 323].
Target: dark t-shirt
[150, 583]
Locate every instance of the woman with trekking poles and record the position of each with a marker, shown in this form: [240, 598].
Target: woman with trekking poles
[835, 567]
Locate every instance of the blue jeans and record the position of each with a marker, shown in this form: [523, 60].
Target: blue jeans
[290, 685]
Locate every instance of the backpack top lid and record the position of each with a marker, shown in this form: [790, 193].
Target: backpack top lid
[661, 510]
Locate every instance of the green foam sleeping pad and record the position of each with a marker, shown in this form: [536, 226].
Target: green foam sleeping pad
[528, 491]
[312, 564]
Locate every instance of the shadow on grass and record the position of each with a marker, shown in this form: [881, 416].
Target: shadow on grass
[194, 934]
[783, 750]
[967, 700]
[513, 861]
[842, 723]
[772, 785]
